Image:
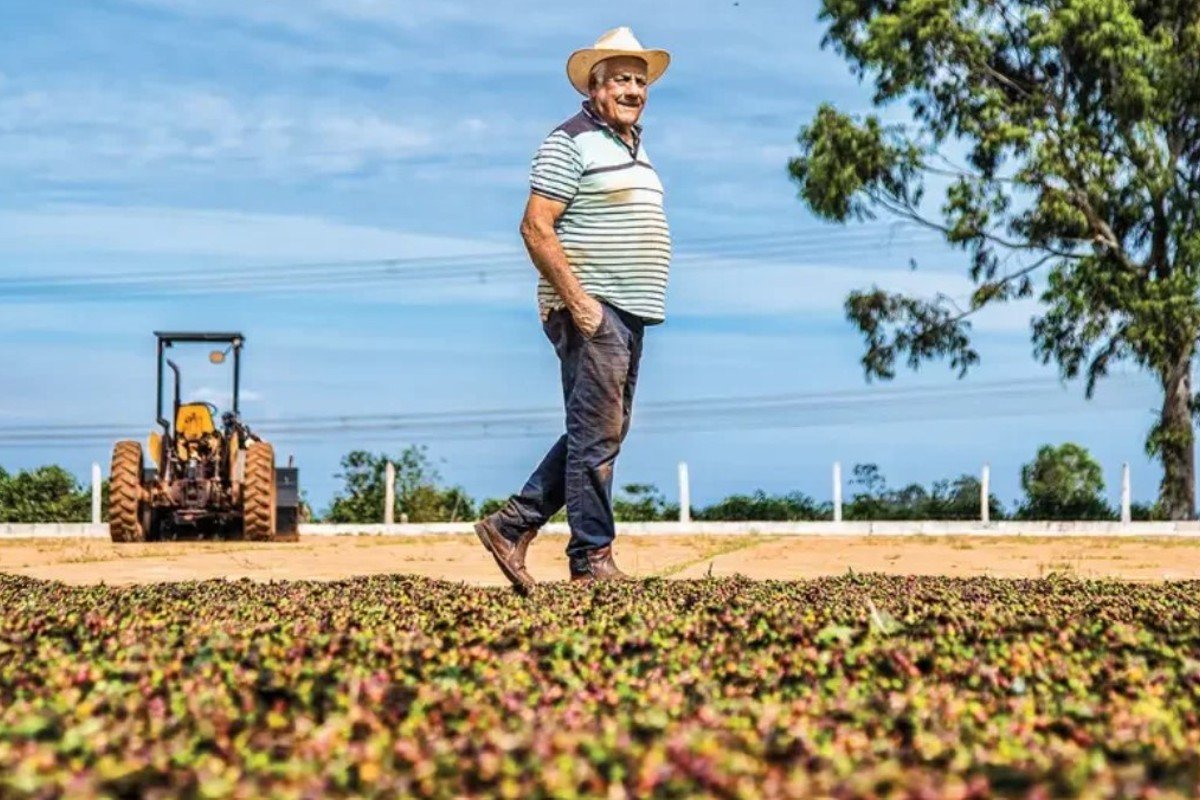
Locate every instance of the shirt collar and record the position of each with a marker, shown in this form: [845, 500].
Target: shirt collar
[596, 118]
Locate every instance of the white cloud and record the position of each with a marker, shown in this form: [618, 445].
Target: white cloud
[222, 397]
[520, 37]
[474, 125]
[819, 289]
[752, 286]
[723, 146]
[809, 287]
[315, 15]
[235, 234]
[75, 132]
[370, 133]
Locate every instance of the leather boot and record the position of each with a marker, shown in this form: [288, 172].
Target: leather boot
[509, 555]
[600, 567]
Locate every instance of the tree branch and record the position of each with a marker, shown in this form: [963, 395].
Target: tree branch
[908, 212]
[1105, 235]
[1098, 367]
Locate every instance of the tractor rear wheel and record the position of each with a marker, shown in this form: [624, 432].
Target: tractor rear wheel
[258, 493]
[126, 508]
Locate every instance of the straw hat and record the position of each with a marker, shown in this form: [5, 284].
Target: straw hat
[617, 42]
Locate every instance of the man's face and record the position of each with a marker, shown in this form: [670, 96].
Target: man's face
[621, 96]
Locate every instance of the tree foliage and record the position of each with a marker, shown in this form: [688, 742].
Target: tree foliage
[418, 491]
[956, 499]
[45, 494]
[634, 502]
[643, 502]
[1080, 122]
[1063, 482]
[762, 507]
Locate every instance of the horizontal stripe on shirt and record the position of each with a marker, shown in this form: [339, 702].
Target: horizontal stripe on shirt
[613, 230]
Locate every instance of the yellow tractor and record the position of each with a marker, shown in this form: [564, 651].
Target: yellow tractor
[204, 479]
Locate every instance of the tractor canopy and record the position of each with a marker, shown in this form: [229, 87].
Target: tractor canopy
[168, 339]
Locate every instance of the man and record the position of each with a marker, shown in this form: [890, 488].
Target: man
[595, 229]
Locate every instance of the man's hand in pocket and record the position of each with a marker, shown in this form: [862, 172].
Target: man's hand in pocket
[588, 315]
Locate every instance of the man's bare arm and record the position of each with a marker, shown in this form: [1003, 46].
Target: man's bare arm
[546, 252]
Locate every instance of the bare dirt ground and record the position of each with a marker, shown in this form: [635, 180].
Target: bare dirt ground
[461, 558]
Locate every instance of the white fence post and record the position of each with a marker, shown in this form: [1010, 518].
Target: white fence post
[389, 494]
[837, 491]
[984, 493]
[95, 493]
[1126, 495]
[685, 494]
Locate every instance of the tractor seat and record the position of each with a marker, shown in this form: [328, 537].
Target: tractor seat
[193, 424]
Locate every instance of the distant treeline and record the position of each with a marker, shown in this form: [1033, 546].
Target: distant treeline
[45, 494]
[1062, 482]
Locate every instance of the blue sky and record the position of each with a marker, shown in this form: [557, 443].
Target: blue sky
[195, 135]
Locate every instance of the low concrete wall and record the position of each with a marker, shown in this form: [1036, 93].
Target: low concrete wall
[53, 530]
[906, 528]
[72, 530]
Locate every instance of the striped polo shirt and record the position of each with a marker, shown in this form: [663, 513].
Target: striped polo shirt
[614, 231]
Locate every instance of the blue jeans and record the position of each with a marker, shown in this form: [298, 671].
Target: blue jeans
[598, 377]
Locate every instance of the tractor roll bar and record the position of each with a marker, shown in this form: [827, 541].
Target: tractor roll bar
[169, 338]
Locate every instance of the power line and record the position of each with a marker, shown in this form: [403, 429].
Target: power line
[837, 396]
[469, 259]
[780, 410]
[789, 423]
[800, 237]
[502, 264]
[547, 430]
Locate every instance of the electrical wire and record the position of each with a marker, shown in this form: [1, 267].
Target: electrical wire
[718, 413]
[502, 265]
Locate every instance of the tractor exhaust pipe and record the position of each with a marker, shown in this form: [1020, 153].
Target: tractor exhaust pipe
[175, 408]
[162, 421]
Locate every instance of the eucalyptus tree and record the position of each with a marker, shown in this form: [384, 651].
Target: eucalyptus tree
[1078, 182]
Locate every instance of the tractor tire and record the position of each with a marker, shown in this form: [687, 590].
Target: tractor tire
[258, 493]
[125, 504]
